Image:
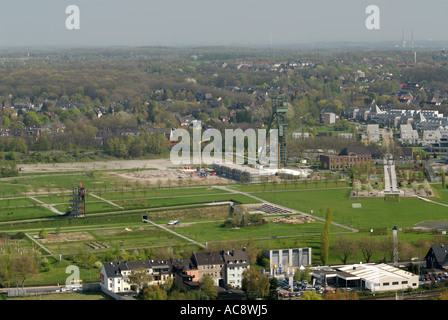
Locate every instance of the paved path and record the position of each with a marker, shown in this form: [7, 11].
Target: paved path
[282, 207]
[37, 242]
[431, 201]
[176, 234]
[45, 205]
[109, 202]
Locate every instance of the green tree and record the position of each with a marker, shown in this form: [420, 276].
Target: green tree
[24, 266]
[42, 234]
[139, 277]
[368, 246]
[311, 295]
[306, 274]
[207, 287]
[153, 292]
[344, 248]
[255, 284]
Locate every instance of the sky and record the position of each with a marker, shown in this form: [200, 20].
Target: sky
[40, 23]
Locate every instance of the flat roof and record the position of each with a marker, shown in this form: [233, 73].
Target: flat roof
[369, 272]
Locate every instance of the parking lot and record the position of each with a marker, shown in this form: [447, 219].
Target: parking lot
[300, 287]
[434, 277]
[297, 290]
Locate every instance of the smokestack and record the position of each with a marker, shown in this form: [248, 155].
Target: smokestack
[395, 235]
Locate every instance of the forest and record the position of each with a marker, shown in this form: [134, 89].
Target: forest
[57, 105]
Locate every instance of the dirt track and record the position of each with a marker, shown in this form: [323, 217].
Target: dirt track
[161, 164]
[165, 172]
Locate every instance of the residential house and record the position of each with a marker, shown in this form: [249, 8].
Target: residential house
[210, 263]
[225, 267]
[408, 134]
[114, 276]
[373, 133]
[328, 117]
[236, 262]
[187, 121]
[437, 257]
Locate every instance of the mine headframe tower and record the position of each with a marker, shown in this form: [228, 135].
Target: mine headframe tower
[78, 206]
[278, 119]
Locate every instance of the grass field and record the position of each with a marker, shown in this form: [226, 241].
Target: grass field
[374, 212]
[123, 229]
[216, 231]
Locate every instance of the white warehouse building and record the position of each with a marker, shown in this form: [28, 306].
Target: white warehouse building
[373, 277]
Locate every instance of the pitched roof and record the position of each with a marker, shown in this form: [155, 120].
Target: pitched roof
[206, 258]
[114, 269]
[236, 257]
[440, 253]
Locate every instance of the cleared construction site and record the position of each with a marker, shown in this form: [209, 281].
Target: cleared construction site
[247, 173]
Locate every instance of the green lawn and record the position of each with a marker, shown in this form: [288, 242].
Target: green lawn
[176, 201]
[374, 213]
[216, 231]
[441, 194]
[12, 213]
[156, 193]
[290, 185]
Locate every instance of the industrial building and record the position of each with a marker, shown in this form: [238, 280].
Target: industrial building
[372, 277]
[253, 174]
[285, 261]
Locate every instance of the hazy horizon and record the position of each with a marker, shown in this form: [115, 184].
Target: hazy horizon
[105, 23]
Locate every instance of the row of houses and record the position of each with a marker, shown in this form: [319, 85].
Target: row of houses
[387, 116]
[225, 268]
[430, 138]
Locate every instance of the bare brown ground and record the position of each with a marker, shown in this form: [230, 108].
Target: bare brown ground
[67, 237]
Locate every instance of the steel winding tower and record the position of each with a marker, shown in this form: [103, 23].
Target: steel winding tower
[278, 118]
[78, 201]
